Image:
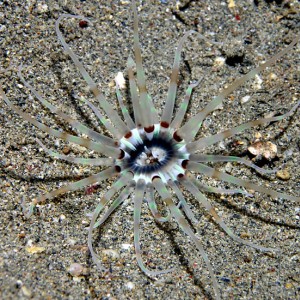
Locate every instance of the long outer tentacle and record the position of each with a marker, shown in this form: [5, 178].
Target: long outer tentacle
[74, 186]
[117, 185]
[153, 207]
[74, 123]
[183, 106]
[114, 131]
[107, 150]
[137, 110]
[111, 113]
[100, 161]
[211, 172]
[184, 225]
[121, 198]
[138, 199]
[191, 128]
[210, 140]
[124, 109]
[169, 107]
[147, 107]
[223, 158]
[202, 199]
[182, 201]
[210, 189]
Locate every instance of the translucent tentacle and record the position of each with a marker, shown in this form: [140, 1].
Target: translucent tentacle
[223, 158]
[210, 140]
[138, 199]
[211, 189]
[178, 216]
[107, 150]
[202, 199]
[124, 109]
[120, 199]
[211, 172]
[147, 108]
[191, 128]
[133, 93]
[114, 131]
[182, 201]
[71, 187]
[111, 113]
[124, 178]
[183, 106]
[100, 161]
[169, 107]
[75, 124]
[153, 207]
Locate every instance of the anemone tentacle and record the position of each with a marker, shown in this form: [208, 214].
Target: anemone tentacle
[99, 161]
[74, 123]
[189, 130]
[171, 96]
[182, 202]
[213, 139]
[178, 216]
[135, 101]
[138, 199]
[211, 172]
[116, 186]
[71, 187]
[183, 106]
[107, 124]
[111, 113]
[149, 114]
[124, 109]
[202, 199]
[216, 190]
[153, 207]
[124, 194]
[224, 158]
[100, 148]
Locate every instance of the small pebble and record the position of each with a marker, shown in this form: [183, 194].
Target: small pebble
[35, 249]
[245, 99]
[77, 269]
[257, 82]
[130, 285]
[288, 285]
[126, 246]
[266, 150]
[219, 62]
[42, 8]
[66, 150]
[283, 174]
[111, 253]
[26, 292]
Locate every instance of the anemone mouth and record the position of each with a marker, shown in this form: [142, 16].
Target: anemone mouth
[151, 153]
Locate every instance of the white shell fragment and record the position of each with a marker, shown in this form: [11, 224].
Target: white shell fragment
[265, 150]
[120, 80]
[77, 269]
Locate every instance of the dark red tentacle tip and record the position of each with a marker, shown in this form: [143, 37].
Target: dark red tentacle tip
[185, 163]
[149, 129]
[122, 154]
[128, 135]
[180, 176]
[164, 124]
[83, 24]
[176, 137]
[155, 177]
[118, 169]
